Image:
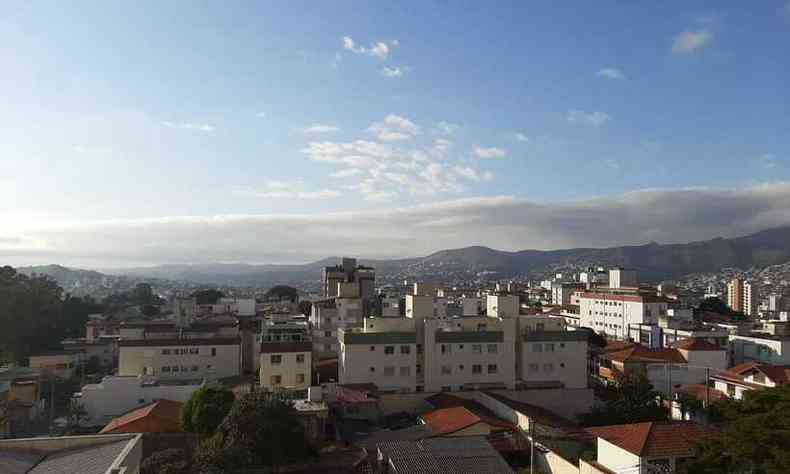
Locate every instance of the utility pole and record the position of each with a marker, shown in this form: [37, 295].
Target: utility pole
[707, 388]
[531, 446]
[51, 402]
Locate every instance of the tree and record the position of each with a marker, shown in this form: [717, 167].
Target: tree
[629, 400]
[207, 296]
[715, 305]
[149, 310]
[206, 409]
[756, 438]
[259, 432]
[305, 307]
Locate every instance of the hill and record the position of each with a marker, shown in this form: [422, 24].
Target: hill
[653, 261]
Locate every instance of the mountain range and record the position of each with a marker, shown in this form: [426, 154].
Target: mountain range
[653, 261]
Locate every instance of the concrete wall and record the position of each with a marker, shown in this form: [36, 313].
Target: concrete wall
[370, 363]
[561, 361]
[552, 463]
[291, 366]
[616, 458]
[567, 403]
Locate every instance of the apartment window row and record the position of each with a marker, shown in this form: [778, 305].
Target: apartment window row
[609, 303]
[476, 369]
[277, 359]
[278, 379]
[548, 367]
[175, 368]
[390, 350]
[476, 348]
[547, 347]
[181, 351]
[389, 371]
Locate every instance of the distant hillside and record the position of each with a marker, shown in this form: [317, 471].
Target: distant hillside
[67, 278]
[653, 261]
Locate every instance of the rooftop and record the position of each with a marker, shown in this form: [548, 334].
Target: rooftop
[654, 439]
[68, 454]
[212, 341]
[161, 416]
[448, 455]
[445, 421]
[696, 344]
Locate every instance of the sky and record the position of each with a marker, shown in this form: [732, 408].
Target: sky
[142, 133]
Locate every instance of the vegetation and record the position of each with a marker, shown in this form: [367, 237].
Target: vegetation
[35, 316]
[756, 438]
[305, 307]
[631, 399]
[715, 305]
[282, 292]
[167, 461]
[141, 295]
[259, 432]
[207, 296]
[206, 409]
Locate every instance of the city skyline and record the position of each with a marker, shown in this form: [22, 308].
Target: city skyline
[146, 134]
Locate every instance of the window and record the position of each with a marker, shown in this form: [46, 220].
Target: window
[389, 371]
[549, 347]
[372, 348]
[461, 367]
[445, 349]
[195, 368]
[276, 359]
[419, 348]
[184, 368]
[194, 350]
[300, 358]
[758, 378]
[175, 368]
[389, 349]
[534, 367]
[372, 369]
[548, 367]
[540, 326]
[460, 346]
[141, 400]
[165, 351]
[299, 378]
[213, 352]
[277, 379]
[562, 365]
[477, 369]
[405, 371]
[491, 368]
[405, 350]
[477, 348]
[419, 369]
[165, 369]
[491, 348]
[537, 347]
[327, 333]
[446, 370]
[446, 388]
[208, 367]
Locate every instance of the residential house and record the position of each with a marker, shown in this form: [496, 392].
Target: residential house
[160, 416]
[737, 380]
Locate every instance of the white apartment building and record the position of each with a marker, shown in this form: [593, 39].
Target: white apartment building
[554, 358]
[383, 352]
[742, 296]
[286, 365]
[391, 307]
[187, 358]
[424, 306]
[562, 293]
[63, 365]
[327, 317]
[622, 278]
[613, 313]
[503, 306]
[116, 395]
[468, 353]
[472, 306]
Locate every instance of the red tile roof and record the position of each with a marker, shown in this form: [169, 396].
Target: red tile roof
[698, 391]
[449, 420]
[348, 394]
[615, 346]
[696, 344]
[161, 416]
[654, 439]
[445, 400]
[643, 354]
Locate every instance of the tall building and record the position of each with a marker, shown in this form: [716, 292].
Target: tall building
[334, 277]
[742, 297]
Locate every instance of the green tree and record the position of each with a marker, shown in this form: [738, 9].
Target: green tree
[305, 307]
[756, 437]
[206, 409]
[207, 296]
[259, 432]
[167, 461]
[631, 399]
[715, 305]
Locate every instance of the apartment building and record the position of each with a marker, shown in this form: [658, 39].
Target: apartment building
[468, 353]
[554, 359]
[742, 296]
[425, 306]
[364, 278]
[383, 351]
[327, 317]
[749, 376]
[185, 358]
[503, 305]
[562, 293]
[60, 364]
[614, 312]
[286, 365]
[472, 306]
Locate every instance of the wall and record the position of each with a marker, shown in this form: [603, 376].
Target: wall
[565, 363]
[288, 369]
[567, 403]
[550, 462]
[366, 363]
[615, 458]
[149, 360]
[115, 396]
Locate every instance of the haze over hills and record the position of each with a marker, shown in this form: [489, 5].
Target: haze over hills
[653, 261]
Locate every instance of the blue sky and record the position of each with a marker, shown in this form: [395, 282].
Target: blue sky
[148, 114]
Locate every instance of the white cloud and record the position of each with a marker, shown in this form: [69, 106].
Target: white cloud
[504, 222]
[591, 118]
[521, 137]
[442, 145]
[261, 114]
[387, 71]
[379, 49]
[447, 128]
[201, 127]
[472, 174]
[611, 73]
[613, 164]
[346, 173]
[690, 41]
[285, 190]
[492, 152]
[767, 161]
[320, 128]
[394, 128]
